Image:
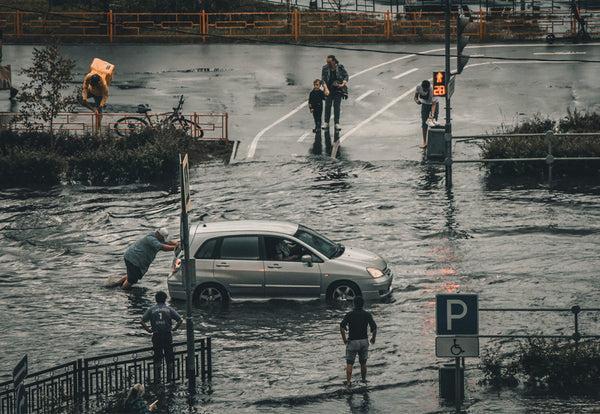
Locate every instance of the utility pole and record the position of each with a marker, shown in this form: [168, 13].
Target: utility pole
[448, 134]
[188, 272]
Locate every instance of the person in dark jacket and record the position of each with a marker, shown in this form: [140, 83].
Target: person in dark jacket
[334, 77]
[358, 320]
[315, 103]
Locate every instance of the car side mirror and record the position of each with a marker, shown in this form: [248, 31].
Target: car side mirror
[307, 258]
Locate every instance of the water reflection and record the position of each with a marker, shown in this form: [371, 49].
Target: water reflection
[360, 401]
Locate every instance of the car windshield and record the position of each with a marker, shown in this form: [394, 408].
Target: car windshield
[317, 241]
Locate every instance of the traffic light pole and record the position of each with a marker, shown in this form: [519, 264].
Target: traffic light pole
[448, 114]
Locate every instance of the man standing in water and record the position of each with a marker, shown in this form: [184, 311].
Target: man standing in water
[161, 318]
[429, 107]
[334, 77]
[357, 342]
[140, 255]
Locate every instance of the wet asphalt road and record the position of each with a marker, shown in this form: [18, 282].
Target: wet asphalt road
[514, 245]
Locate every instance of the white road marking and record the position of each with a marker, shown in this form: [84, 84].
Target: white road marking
[560, 53]
[375, 115]
[303, 136]
[364, 95]
[408, 72]
[254, 144]
[512, 62]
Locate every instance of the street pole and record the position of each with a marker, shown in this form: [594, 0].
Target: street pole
[448, 134]
[187, 275]
[457, 385]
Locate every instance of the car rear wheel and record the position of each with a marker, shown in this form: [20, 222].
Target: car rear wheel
[210, 295]
[343, 292]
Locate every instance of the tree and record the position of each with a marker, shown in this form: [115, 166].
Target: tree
[44, 96]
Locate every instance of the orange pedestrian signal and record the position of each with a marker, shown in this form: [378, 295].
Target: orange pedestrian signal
[439, 83]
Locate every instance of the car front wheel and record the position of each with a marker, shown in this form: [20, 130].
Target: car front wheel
[344, 292]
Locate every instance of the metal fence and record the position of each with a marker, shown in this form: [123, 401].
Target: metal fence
[87, 382]
[201, 126]
[293, 25]
[576, 311]
[546, 162]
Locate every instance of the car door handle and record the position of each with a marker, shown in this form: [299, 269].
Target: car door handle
[274, 266]
[222, 265]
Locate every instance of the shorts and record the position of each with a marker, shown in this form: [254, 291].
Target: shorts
[426, 111]
[357, 346]
[133, 272]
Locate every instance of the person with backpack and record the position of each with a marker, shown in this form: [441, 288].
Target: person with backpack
[135, 404]
[334, 77]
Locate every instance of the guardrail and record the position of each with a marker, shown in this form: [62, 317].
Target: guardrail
[549, 159]
[86, 382]
[201, 126]
[293, 25]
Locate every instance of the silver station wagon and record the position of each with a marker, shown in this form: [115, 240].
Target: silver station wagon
[276, 260]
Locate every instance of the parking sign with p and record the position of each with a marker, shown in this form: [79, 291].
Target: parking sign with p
[457, 314]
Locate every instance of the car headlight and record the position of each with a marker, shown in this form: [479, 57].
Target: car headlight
[374, 272]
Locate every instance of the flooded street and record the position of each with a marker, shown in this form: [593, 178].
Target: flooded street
[513, 244]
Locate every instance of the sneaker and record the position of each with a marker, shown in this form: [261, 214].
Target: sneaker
[325, 125]
[338, 127]
[431, 122]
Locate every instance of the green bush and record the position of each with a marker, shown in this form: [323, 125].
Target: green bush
[26, 159]
[537, 147]
[547, 367]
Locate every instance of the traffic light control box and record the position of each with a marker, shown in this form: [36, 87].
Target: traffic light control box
[436, 143]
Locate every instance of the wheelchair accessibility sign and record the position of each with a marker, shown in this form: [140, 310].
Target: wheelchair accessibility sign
[456, 346]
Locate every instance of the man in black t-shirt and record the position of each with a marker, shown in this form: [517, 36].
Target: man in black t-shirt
[357, 342]
[161, 318]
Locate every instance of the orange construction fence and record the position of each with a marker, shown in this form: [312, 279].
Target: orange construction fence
[294, 25]
[201, 126]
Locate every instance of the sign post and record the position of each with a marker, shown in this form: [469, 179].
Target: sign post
[19, 374]
[457, 327]
[184, 169]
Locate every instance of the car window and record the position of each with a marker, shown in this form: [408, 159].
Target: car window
[207, 250]
[278, 248]
[240, 248]
[317, 241]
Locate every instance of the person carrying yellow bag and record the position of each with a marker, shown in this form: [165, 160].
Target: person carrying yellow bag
[96, 84]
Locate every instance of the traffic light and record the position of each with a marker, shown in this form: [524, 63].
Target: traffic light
[439, 83]
[461, 42]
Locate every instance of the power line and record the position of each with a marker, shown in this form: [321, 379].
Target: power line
[314, 46]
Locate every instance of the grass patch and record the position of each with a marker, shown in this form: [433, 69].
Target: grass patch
[27, 160]
[546, 368]
[537, 147]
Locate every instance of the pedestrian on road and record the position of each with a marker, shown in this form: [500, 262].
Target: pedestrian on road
[357, 342]
[96, 87]
[135, 404]
[161, 317]
[315, 103]
[140, 255]
[430, 108]
[335, 78]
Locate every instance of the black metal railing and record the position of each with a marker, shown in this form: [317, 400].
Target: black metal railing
[86, 382]
[575, 336]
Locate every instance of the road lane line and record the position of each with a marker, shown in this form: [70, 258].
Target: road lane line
[408, 72]
[254, 144]
[303, 136]
[375, 115]
[513, 62]
[364, 95]
[560, 53]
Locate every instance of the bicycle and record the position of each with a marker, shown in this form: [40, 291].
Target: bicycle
[129, 124]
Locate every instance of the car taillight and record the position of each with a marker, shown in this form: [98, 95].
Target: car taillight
[177, 265]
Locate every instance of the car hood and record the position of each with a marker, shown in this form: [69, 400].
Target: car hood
[362, 257]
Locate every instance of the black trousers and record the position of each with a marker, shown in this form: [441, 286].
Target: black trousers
[334, 98]
[317, 115]
[162, 343]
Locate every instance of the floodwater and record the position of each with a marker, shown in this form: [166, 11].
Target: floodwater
[514, 244]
